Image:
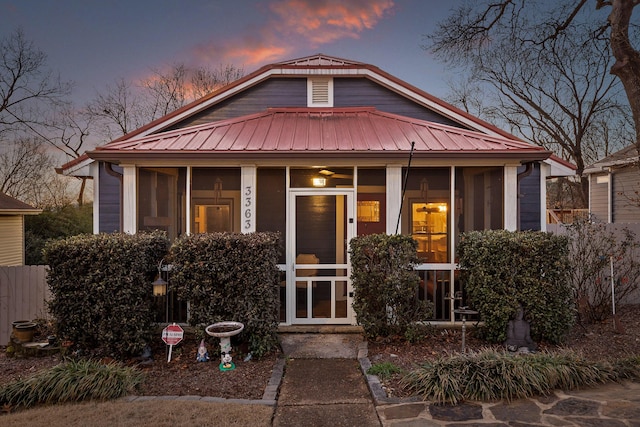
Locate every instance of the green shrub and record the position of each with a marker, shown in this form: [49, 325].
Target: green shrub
[489, 375]
[101, 290]
[231, 277]
[502, 270]
[384, 370]
[54, 223]
[385, 284]
[72, 381]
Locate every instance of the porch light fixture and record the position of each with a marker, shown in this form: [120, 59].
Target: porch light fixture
[319, 182]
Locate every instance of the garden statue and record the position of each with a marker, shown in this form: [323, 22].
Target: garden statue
[203, 354]
[518, 334]
[226, 361]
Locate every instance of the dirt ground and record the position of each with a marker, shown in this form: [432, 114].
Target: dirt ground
[598, 341]
[184, 375]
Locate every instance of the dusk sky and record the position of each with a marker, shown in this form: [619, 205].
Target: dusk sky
[93, 43]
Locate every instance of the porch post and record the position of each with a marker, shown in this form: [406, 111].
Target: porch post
[129, 185]
[248, 203]
[545, 171]
[511, 198]
[394, 197]
[94, 169]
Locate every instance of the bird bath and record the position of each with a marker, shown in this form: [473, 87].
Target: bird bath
[224, 331]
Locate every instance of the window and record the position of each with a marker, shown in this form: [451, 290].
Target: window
[372, 200]
[479, 198]
[160, 192]
[426, 212]
[215, 200]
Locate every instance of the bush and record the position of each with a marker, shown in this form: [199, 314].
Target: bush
[72, 381]
[231, 277]
[503, 270]
[385, 284]
[489, 375]
[101, 290]
[593, 246]
[51, 224]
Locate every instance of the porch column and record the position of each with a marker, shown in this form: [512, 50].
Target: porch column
[394, 197]
[94, 169]
[248, 203]
[510, 198]
[129, 211]
[545, 171]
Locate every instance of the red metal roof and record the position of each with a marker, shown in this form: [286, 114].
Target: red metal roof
[332, 131]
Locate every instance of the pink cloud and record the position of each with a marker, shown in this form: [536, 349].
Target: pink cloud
[295, 25]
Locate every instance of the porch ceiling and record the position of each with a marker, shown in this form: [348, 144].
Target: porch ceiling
[330, 132]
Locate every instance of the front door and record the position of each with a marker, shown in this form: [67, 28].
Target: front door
[319, 289]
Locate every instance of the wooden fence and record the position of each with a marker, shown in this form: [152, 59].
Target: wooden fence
[23, 296]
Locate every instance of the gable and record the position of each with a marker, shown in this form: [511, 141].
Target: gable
[292, 92]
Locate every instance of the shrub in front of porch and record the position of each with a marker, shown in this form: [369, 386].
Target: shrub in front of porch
[385, 284]
[502, 270]
[101, 290]
[230, 277]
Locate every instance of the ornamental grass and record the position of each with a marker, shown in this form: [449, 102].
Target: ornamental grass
[72, 381]
[489, 375]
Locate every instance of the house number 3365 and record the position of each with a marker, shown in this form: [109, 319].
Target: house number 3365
[248, 212]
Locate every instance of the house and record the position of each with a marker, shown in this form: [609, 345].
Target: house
[12, 212]
[318, 148]
[614, 187]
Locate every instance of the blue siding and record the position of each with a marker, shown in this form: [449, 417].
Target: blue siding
[360, 92]
[110, 200]
[529, 199]
[292, 93]
[285, 92]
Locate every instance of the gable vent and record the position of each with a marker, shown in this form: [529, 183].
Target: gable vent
[320, 93]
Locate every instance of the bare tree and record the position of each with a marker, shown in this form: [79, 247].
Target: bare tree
[28, 90]
[116, 111]
[126, 106]
[546, 79]
[206, 80]
[24, 165]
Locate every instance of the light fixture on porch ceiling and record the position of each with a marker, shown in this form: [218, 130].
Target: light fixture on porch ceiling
[332, 174]
[319, 182]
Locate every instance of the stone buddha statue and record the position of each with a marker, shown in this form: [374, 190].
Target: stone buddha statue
[519, 334]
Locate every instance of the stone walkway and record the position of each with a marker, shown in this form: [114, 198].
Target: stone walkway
[610, 405]
[323, 382]
[607, 405]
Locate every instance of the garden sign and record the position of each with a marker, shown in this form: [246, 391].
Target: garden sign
[172, 335]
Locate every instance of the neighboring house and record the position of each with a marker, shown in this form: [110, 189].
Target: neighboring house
[12, 214]
[614, 187]
[317, 148]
